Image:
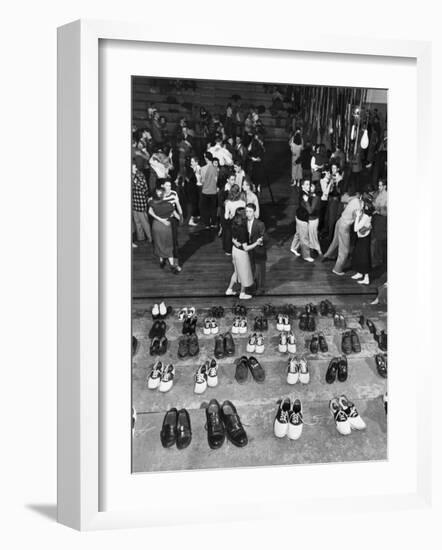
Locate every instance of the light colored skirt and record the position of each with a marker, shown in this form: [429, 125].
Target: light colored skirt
[242, 266]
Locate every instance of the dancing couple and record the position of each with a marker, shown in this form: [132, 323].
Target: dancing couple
[307, 219]
[249, 253]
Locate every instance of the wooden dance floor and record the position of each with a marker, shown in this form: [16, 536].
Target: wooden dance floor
[207, 270]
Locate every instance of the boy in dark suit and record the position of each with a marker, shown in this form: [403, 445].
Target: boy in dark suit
[258, 254]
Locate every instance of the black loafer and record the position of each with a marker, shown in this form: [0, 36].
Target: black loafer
[157, 329]
[303, 320]
[355, 343]
[192, 325]
[311, 323]
[346, 343]
[219, 346]
[381, 365]
[323, 346]
[382, 341]
[162, 348]
[168, 433]
[314, 344]
[229, 344]
[135, 345]
[155, 346]
[234, 429]
[371, 327]
[361, 320]
[323, 308]
[216, 433]
[186, 326]
[343, 369]
[242, 370]
[194, 347]
[183, 347]
[183, 431]
[330, 375]
[257, 370]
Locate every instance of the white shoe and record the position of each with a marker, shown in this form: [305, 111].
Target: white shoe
[163, 309]
[243, 326]
[207, 329]
[291, 345]
[229, 292]
[292, 372]
[282, 346]
[167, 379]
[295, 252]
[201, 379]
[244, 296]
[251, 344]
[350, 410]
[280, 323]
[183, 314]
[341, 419]
[281, 424]
[155, 310]
[364, 281]
[235, 326]
[212, 374]
[192, 222]
[214, 328]
[295, 422]
[304, 374]
[260, 344]
[309, 259]
[340, 274]
[134, 245]
[357, 276]
[154, 378]
[286, 324]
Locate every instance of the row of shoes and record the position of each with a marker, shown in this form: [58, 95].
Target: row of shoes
[350, 342]
[287, 342]
[224, 421]
[239, 310]
[188, 346]
[186, 313]
[158, 345]
[326, 308]
[244, 365]
[210, 326]
[318, 343]
[283, 323]
[161, 377]
[176, 429]
[337, 368]
[297, 371]
[160, 311]
[224, 345]
[345, 415]
[206, 376]
[381, 364]
[260, 324]
[381, 338]
[255, 343]
[339, 321]
[189, 325]
[239, 325]
[289, 419]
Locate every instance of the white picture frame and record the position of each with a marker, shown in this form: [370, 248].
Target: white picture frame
[80, 294]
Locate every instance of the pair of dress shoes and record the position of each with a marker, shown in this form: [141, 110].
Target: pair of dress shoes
[326, 308]
[189, 325]
[158, 329]
[381, 338]
[260, 324]
[307, 322]
[239, 310]
[339, 321]
[161, 377]
[337, 368]
[188, 346]
[318, 343]
[350, 342]
[345, 415]
[217, 312]
[224, 421]
[158, 345]
[206, 376]
[160, 311]
[289, 419]
[176, 429]
[224, 345]
[186, 313]
[244, 365]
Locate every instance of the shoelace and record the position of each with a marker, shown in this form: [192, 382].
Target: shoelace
[283, 416]
[213, 371]
[296, 418]
[200, 378]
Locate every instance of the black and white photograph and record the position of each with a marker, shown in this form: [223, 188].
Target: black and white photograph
[259, 274]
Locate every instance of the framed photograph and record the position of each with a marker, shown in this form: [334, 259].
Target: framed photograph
[224, 231]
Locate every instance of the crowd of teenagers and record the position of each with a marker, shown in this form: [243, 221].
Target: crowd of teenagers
[209, 173]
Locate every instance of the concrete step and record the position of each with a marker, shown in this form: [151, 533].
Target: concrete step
[320, 442]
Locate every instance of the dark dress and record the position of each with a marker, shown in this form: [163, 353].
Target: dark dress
[162, 234]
